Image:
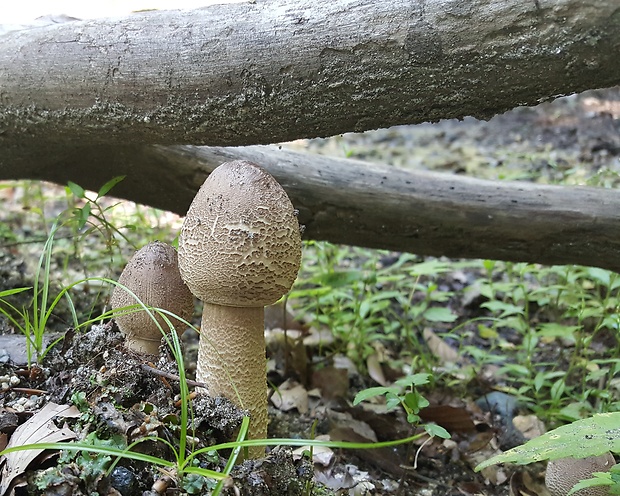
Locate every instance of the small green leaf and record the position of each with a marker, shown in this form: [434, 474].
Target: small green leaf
[437, 430]
[429, 268]
[105, 189]
[338, 279]
[364, 309]
[372, 392]
[600, 479]
[505, 308]
[489, 265]
[439, 314]
[76, 189]
[487, 332]
[415, 401]
[413, 380]
[557, 330]
[9, 292]
[539, 381]
[600, 275]
[83, 214]
[412, 418]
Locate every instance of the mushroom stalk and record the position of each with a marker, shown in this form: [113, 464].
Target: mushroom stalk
[231, 354]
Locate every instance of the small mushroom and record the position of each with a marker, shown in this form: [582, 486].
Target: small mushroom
[153, 276]
[239, 250]
[563, 473]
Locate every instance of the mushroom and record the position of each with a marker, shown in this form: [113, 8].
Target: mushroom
[563, 473]
[239, 250]
[153, 276]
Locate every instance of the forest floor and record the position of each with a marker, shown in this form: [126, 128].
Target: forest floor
[106, 395]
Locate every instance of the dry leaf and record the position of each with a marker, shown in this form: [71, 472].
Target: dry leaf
[349, 429]
[40, 428]
[333, 382]
[375, 371]
[454, 419]
[291, 395]
[440, 348]
[522, 484]
[321, 455]
[530, 425]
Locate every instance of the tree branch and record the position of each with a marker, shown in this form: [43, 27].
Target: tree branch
[278, 70]
[358, 203]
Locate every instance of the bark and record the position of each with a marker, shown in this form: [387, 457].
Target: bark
[378, 206]
[273, 71]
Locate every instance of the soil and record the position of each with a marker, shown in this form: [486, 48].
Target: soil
[127, 396]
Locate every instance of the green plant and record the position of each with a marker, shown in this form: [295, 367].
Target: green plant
[85, 211]
[534, 306]
[404, 393]
[32, 322]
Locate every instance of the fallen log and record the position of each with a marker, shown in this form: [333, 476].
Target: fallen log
[378, 206]
[272, 71]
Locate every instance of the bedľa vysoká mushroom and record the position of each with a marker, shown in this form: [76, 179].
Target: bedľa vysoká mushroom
[562, 474]
[239, 250]
[153, 276]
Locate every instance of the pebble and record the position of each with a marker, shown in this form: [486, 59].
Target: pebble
[4, 356]
[123, 480]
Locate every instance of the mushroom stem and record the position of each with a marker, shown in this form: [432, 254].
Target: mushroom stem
[232, 362]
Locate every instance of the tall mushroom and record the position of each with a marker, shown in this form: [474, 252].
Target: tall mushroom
[152, 274]
[562, 474]
[239, 250]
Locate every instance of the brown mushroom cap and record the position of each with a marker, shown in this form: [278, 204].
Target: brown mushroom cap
[240, 243]
[153, 275]
[563, 473]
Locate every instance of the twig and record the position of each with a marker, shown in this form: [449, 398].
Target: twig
[28, 391]
[168, 375]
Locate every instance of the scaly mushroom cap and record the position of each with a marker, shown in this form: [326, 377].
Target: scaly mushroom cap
[153, 275]
[240, 243]
[563, 473]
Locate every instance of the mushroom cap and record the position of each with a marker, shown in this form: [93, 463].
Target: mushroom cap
[153, 275]
[563, 473]
[240, 243]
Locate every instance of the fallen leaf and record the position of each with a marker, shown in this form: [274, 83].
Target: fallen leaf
[40, 428]
[333, 382]
[530, 425]
[522, 484]
[454, 419]
[291, 395]
[374, 369]
[440, 348]
[321, 455]
[349, 429]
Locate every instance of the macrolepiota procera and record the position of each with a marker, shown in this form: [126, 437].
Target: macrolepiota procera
[152, 274]
[239, 250]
